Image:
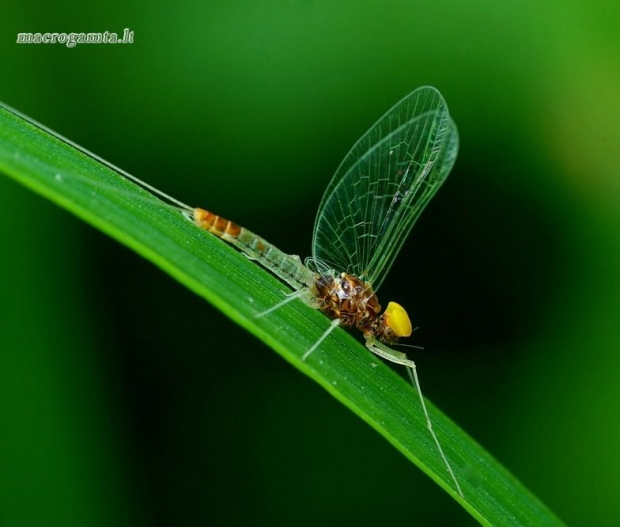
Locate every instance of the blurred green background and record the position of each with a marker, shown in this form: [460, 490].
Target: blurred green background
[125, 400]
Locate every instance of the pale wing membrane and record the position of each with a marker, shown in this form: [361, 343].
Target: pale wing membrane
[383, 184]
[424, 189]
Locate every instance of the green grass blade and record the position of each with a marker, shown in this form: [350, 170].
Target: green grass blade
[240, 289]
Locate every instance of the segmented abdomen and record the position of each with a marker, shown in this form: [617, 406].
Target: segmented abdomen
[285, 266]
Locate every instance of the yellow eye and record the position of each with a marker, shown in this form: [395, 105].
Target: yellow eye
[397, 320]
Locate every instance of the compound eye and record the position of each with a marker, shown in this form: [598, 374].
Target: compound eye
[397, 320]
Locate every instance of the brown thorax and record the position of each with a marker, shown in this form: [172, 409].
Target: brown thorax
[354, 303]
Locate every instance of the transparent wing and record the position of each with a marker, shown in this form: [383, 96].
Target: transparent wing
[382, 186]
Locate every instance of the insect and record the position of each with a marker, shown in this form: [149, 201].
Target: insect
[372, 202]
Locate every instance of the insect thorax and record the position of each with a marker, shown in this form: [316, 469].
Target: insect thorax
[352, 301]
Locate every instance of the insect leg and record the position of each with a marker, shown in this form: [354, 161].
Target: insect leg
[400, 358]
[334, 324]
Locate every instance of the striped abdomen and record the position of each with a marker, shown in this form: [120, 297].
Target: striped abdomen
[286, 267]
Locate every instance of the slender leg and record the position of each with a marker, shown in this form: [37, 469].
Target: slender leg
[288, 298]
[400, 358]
[331, 328]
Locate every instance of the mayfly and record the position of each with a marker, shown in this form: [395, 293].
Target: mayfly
[376, 195]
[372, 202]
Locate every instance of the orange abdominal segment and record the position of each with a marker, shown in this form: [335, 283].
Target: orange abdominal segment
[216, 224]
[286, 267]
